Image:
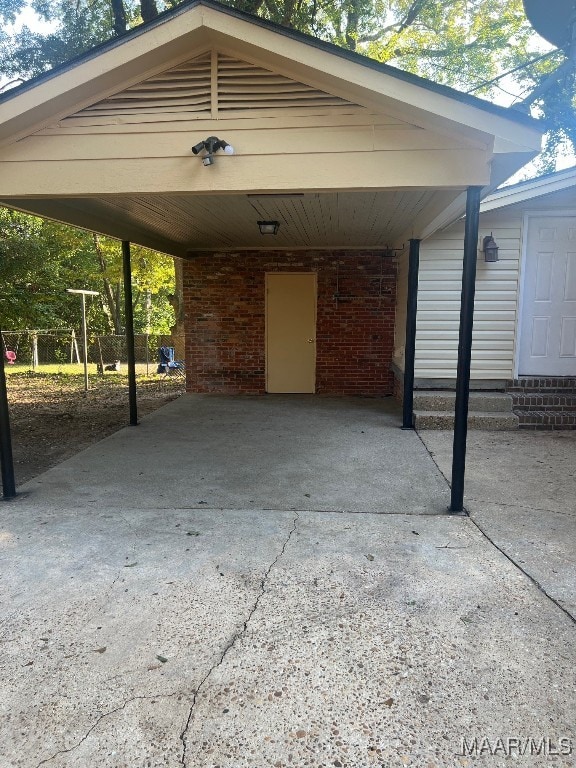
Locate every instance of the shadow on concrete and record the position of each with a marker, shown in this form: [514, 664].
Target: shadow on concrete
[273, 452]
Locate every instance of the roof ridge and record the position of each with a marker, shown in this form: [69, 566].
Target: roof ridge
[358, 58]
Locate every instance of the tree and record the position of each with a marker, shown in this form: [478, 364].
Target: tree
[467, 44]
[39, 259]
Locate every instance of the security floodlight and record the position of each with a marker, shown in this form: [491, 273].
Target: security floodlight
[211, 145]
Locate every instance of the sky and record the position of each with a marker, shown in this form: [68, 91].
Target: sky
[31, 20]
[505, 97]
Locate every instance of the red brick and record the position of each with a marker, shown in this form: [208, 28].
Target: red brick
[225, 320]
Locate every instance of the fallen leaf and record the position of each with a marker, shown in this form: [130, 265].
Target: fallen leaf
[163, 659]
[370, 557]
[100, 650]
[389, 702]
[307, 495]
[131, 565]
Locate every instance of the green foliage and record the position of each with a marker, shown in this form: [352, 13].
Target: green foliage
[457, 43]
[461, 43]
[32, 275]
[40, 259]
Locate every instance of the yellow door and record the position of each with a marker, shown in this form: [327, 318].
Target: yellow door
[291, 332]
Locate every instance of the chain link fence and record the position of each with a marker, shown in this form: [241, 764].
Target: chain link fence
[37, 349]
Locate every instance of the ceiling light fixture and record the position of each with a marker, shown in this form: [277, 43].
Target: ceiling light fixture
[211, 145]
[269, 227]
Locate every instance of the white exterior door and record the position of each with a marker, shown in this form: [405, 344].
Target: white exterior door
[548, 322]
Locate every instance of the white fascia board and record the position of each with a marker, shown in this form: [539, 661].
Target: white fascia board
[521, 193]
[503, 166]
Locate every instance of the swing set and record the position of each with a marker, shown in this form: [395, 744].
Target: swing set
[30, 339]
[9, 353]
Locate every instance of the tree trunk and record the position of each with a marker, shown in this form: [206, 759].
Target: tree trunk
[119, 14]
[178, 330]
[112, 295]
[148, 9]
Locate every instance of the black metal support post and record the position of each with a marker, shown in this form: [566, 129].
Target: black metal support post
[465, 348]
[129, 323]
[410, 343]
[6, 459]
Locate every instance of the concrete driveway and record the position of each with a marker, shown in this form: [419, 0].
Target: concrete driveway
[218, 587]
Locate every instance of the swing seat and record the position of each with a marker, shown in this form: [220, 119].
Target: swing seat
[10, 356]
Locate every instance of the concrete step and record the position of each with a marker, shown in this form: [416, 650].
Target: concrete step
[431, 400]
[546, 420]
[487, 420]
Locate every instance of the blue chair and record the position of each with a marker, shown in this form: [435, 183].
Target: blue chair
[167, 365]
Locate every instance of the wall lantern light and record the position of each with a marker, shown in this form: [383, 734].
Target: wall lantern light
[209, 146]
[269, 227]
[490, 248]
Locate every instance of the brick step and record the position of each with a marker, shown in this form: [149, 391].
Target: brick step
[488, 420]
[552, 385]
[436, 400]
[547, 420]
[538, 401]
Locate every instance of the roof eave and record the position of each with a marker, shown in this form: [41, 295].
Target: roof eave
[22, 102]
[528, 190]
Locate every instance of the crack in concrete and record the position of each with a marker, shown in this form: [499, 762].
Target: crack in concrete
[502, 551]
[233, 640]
[534, 581]
[99, 720]
[518, 505]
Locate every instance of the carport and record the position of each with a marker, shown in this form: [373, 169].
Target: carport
[351, 156]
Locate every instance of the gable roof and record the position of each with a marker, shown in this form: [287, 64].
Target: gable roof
[103, 141]
[294, 34]
[528, 190]
[83, 83]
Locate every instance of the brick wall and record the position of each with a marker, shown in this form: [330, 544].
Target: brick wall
[225, 320]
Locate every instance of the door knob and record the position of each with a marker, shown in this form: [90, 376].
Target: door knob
[311, 341]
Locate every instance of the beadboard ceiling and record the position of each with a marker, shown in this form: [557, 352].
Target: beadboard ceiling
[379, 156]
[361, 219]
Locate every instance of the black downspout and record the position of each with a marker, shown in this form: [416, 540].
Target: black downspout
[6, 458]
[410, 342]
[465, 348]
[129, 323]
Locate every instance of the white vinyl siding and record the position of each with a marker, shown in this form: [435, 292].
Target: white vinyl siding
[496, 301]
